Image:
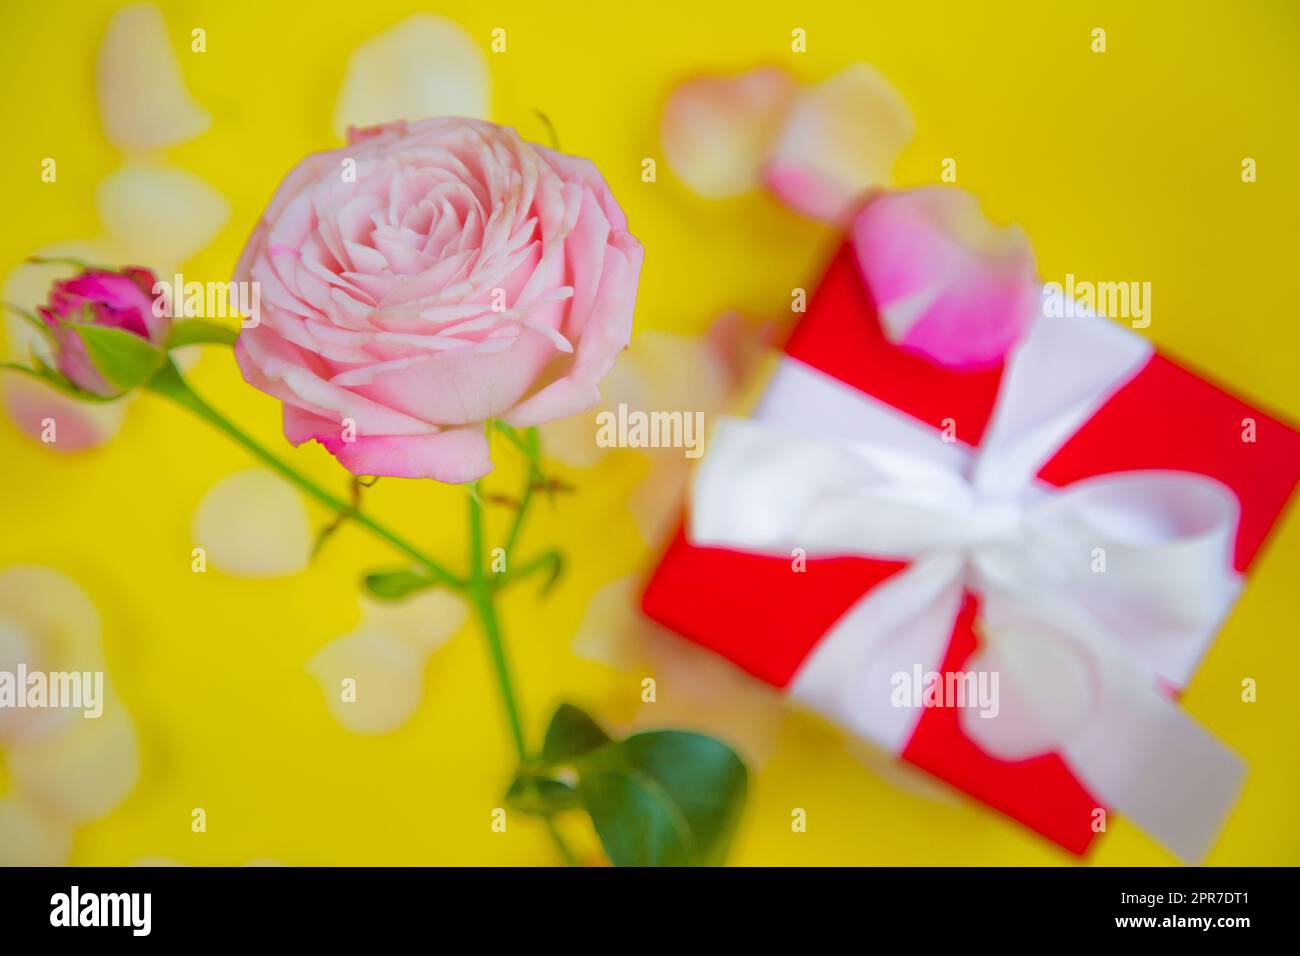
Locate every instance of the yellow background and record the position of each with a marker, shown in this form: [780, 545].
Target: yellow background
[1122, 165]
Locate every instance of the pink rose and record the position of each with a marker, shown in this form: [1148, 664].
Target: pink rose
[119, 300]
[428, 277]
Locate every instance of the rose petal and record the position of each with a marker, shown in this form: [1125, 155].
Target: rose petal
[612, 631]
[59, 620]
[77, 425]
[453, 455]
[29, 838]
[160, 213]
[81, 770]
[388, 676]
[253, 524]
[947, 282]
[425, 66]
[717, 130]
[424, 622]
[696, 689]
[840, 141]
[142, 95]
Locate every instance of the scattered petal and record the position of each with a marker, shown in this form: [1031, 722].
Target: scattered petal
[373, 681]
[612, 631]
[946, 281]
[83, 768]
[160, 213]
[253, 524]
[718, 130]
[425, 621]
[423, 67]
[60, 423]
[143, 99]
[60, 622]
[696, 689]
[840, 141]
[28, 838]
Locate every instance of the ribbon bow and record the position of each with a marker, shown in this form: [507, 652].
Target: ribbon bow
[1089, 595]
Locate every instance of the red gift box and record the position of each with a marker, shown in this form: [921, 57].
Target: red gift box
[750, 608]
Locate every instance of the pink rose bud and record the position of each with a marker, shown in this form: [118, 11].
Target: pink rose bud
[430, 276]
[116, 300]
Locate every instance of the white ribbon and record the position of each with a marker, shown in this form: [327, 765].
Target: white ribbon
[1077, 650]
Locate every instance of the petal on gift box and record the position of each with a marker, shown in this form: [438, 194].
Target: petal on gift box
[718, 130]
[373, 680]
[253, 524]
[423, 67]
[839, 142]
[81, 769]
[143, 99]
[29, 838]
[160, 214]
[947, 282]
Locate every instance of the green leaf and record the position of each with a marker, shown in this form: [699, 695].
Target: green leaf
[665, 798]
[571, 734]
[395, 585]
[662, 798]
[124, 359]
[200, 332]
[541, 795]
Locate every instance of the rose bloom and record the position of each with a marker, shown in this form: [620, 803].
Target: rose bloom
[428, 277]
[118, 300]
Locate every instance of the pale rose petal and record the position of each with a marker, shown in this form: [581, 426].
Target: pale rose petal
[947, 282]
[613, 631]
[386, 674]
[253, 524]
[160, 213]
[59, 620]
[425, 621]
[840, 141]
[142, 96]
[81, 770]
[609, 330]
[42, 412]
[717, 130]
[899, 774]
[425, 66]
[655, 504]
[30, 838]
[16, 647]
[696, 689]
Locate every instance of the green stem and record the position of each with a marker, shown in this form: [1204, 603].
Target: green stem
[480, 595]
[169, 383]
